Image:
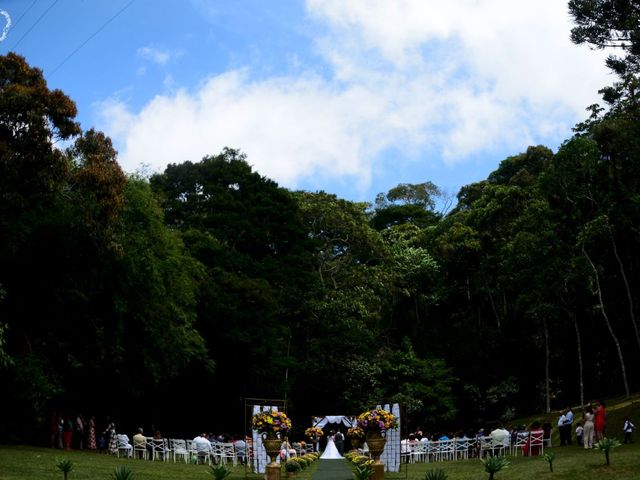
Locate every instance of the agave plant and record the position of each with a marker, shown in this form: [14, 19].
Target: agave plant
[550, 457]
[606, 445]
[65, 466]
[220, 472]
[363, 472]
[435, 474]
[122, 473]
[493, 465]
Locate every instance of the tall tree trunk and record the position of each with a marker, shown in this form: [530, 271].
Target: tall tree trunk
[547, 382]
[632, 315]
[580, 365]
[608, 323]
[493, 303]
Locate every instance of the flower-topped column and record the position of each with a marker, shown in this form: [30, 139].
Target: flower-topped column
[375, 424]
[314, 434]
[270, 425]
[356, 436]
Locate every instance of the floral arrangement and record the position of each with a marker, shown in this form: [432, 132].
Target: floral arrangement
[271, 422]
[355, 432]
[377, 420]
[313, 432]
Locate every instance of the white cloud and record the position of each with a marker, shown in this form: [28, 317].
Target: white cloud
[459, 78]
[157, 55]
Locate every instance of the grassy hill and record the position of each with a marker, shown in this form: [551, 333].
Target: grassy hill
[617, 410]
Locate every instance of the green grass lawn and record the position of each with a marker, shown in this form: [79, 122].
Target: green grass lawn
[19, 462]
[571, 463]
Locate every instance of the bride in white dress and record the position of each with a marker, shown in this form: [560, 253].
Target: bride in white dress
[331, 452]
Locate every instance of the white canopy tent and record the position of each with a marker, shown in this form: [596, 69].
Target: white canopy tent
[342, 419]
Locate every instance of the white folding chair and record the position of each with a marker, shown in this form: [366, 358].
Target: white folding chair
[123, 446]
[462, 448]
[140, 450]
[486, 446]
[447, 449]
[521, 441]
[157, 449]
[216, 452]
[228, 453]
[179, 449]
[419, 453]
[506, 445]
[536, 442]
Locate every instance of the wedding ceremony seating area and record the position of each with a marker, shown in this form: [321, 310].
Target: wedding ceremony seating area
[183, 450]
[524, 443]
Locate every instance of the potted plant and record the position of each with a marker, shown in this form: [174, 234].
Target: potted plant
[292, 467]
[375, 423]
[271, 423]
[356, 435]
[314, 434]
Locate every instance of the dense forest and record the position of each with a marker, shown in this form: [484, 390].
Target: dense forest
[171, 298]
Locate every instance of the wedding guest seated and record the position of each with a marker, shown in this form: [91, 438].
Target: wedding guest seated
[404, 450]
[536, 431]
[286, 450]
[139, 443]
[499, 438]
[202, 446]
[241, 449]
[159, 447]
[123, 444]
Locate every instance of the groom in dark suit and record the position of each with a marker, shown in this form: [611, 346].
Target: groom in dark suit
[338, 439]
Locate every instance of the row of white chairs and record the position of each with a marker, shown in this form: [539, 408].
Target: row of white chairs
[529, 443]
[164, 449]
[302, 449]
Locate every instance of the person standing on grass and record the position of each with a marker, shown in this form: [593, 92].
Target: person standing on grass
[67, 432]
[579, 435]
[78, 436]
[628, 430]
[91, 434]
[568, 423]
[562, 429]
[588, 429]
[61, 432]
[600, 420]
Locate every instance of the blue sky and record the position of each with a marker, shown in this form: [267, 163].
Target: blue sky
[347, 96]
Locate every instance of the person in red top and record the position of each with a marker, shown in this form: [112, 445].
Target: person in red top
[600, 420]
[537, 431]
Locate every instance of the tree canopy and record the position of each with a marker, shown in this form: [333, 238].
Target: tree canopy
[208, 279]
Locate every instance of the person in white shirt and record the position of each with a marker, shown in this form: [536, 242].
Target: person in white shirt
[579, 435]
[561, 429]
[202, 446]
[499, 439]
[123, 444]
[241, 448]
[568, 423]
[628, 429]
